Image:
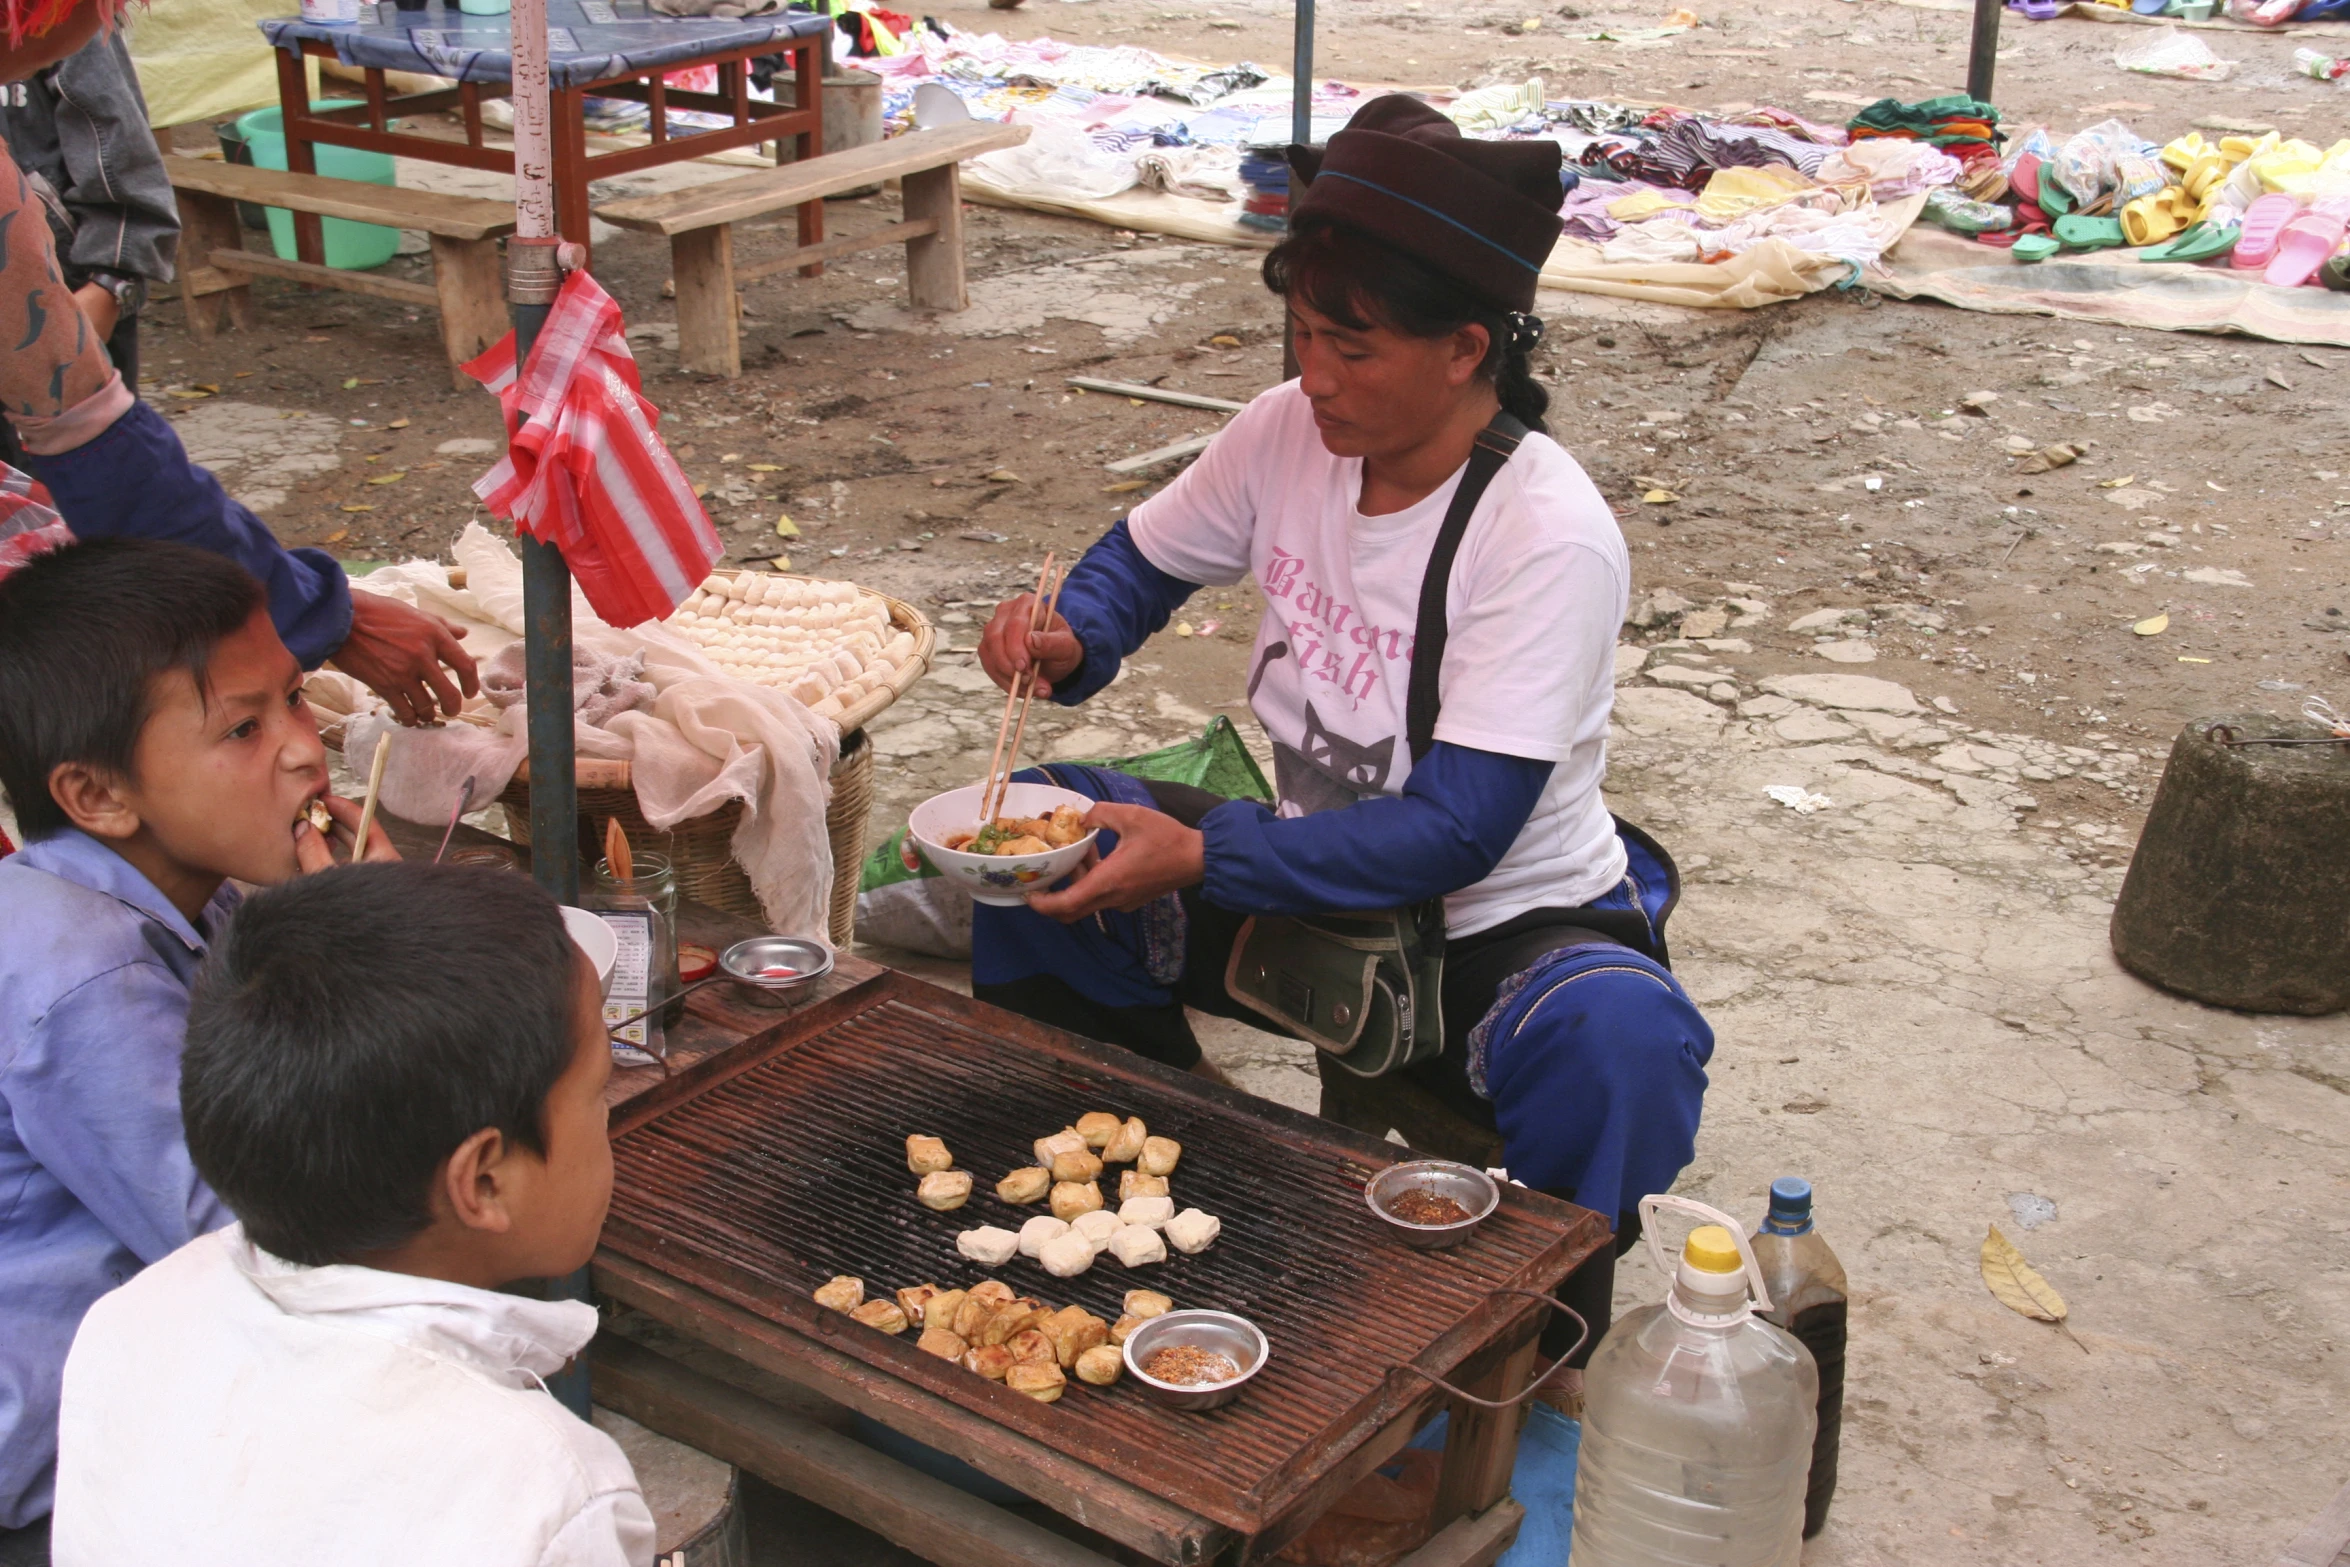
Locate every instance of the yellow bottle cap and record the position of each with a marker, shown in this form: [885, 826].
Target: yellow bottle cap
[1712, 1249]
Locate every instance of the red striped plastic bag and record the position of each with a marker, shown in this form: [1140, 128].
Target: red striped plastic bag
[28, 524]
[585, 469]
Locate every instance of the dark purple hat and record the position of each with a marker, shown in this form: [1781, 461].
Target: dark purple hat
[1484, 213]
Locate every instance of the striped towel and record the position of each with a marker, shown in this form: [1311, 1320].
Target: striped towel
[584, 468]
[28, 525]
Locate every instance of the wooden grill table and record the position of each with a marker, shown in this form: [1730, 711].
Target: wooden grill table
[605, 48]
[771, 1156]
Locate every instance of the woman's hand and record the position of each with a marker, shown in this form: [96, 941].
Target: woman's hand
[399, 650]
[1156, 855]
[1008, 648]
[313, 852]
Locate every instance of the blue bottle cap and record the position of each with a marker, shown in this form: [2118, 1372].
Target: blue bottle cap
[1790, 1205]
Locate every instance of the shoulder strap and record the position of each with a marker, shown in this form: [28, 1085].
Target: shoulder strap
[1494, 445]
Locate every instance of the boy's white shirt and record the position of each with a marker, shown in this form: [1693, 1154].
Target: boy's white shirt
[228, 1407]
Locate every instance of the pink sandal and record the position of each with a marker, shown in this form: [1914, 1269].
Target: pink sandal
[2263, 222]
[2306, 242]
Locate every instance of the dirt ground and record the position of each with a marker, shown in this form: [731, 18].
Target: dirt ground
[1911, 987]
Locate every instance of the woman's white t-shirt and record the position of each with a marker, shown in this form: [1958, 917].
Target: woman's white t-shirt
[1537, 594]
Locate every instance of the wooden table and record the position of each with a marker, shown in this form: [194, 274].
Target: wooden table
[704, 1370]
[607, 48]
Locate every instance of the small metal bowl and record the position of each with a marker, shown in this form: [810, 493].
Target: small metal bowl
[1219, 1331]
[750, 964]
[1472, 1188]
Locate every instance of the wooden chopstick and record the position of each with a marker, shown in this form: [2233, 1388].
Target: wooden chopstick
[375, 783]
[987, 786]
[1027, 695]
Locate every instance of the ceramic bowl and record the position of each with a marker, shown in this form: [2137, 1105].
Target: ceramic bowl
[1003, 880]
[592, 936]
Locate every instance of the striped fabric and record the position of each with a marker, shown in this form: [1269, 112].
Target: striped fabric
[585, 470]
[27, 523]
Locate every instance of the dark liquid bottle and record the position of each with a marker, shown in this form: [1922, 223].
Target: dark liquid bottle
[1808, 1300]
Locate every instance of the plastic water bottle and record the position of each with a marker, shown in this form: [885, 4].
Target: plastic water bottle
[2323, 66]
[1697, 1418]
[1808, 1300]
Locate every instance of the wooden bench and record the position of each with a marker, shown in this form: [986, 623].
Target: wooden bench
[700, 223]
[217, 269]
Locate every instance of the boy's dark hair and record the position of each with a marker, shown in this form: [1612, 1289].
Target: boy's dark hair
[352, 1028]
[1358, 282]
[84, 632]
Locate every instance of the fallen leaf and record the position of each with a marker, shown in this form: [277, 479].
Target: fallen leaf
[2152, 627]
[732, 457]
[358, 508]
[193, 397]
[1658, 498]
[397, 424]
[1125, 487]
[1003, 476]
[2184, 659]
[206, 386]
[387, 478]
[2015, 1284]
[779, 563]
[241, 374]
[766, 467]
[351, 385]
[337, 536]
[1183, 629]
[2115, 484]
[1136, 401]
[1224, 340]
[785, 528]
[701, 490]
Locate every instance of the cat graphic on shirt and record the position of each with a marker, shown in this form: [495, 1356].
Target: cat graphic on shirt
[1331, 772]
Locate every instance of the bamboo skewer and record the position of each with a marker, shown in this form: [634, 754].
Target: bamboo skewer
[987, 785]
[1027, 695]
[375, 784]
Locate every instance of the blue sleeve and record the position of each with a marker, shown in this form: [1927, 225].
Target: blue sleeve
[136, 482]
[1114, 600]
[1459, 812]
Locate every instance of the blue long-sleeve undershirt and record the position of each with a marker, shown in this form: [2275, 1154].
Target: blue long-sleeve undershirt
[1459, 812]
[136, 481]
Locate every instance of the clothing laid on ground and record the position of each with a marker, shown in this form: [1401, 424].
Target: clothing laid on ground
[227, 1407]
[136, 481]
[1534, 601]
[95, 965]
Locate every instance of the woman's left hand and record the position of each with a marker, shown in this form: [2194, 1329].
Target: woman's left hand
[1156, 855]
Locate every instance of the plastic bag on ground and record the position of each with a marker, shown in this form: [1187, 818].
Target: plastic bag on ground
[2170, 52]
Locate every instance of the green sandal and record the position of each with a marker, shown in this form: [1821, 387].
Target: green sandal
[2075, 232]
[2054, 200]
[2200, 242]
[2034, 247]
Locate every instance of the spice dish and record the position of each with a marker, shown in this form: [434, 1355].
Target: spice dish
[1415, 1200]
[1208, 1336]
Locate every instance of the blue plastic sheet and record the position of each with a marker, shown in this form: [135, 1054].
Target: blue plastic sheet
[587, 40]
[1543, 1481]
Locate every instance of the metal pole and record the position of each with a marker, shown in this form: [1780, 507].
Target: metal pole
[1301, 131]
[1983, 50]
[532, 280]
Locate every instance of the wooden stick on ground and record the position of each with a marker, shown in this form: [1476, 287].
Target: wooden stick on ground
[375, 784]
[1027, 695]
[987, 787]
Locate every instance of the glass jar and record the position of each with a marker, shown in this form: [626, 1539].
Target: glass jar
[641, 908]
[484, 856]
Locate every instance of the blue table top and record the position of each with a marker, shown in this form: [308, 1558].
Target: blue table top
[587, 40]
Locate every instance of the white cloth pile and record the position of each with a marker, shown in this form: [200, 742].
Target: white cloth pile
[693, 738]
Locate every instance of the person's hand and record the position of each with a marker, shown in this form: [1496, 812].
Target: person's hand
[100, 308]
[313, 852]
[1008, 649]
[397, 650]
[1156, 855]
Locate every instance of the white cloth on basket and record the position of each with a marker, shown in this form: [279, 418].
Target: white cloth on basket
[694, 738]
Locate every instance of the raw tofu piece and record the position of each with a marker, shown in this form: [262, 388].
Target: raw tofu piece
[1071, 1198]
[882, 1314]
[1025, 1185]
[925, 1155]
[1150, 1211]
[1097, 1227]
[1097, 1127]
[987, 1245]
[1100, 1365]
[1138, 1245]
[944, 1190]
[1193, 1231]
[1066, 1140]
[1159, 1155]
[844, 1292]
[1044, 1227]
[1066, 1255]
[1125, 1145]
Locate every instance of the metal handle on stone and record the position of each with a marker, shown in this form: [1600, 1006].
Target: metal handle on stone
[1531, 1388]
[676, 995]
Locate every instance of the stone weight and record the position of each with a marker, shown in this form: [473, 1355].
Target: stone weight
[2239, 892]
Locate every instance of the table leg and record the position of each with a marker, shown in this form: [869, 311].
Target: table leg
[1481, 1445]
[810, 91]
[209, 223]
[571, 177]
[293, 96]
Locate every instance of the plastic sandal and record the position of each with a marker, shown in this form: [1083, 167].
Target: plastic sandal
[2075, 232]
[2150, 220]
[2033, 247]
[2264, 220]
[2305, 245]
[2203, 242]
[2055, 200]
[2335, 274]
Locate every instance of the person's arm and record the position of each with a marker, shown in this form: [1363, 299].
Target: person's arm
[1459, 812]
[615, 1529]
[1114, 602]
[127, 221]
[95, 1096]
[136, 481]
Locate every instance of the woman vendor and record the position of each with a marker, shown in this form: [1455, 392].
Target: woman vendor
[1410, 451]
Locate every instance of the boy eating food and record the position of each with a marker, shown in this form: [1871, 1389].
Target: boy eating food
[394, 1078]
[153, 745]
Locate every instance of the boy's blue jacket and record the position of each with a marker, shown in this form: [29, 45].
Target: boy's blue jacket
[95, 1179]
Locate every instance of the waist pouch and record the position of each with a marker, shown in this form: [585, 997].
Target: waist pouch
[1364, 989]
